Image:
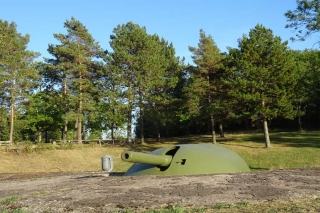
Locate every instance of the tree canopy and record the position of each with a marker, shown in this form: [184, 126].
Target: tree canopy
[75, 71]
[18, 76]
[204, 89]
[144, 66]
[263, 76]
[84, 91]
[305, 19]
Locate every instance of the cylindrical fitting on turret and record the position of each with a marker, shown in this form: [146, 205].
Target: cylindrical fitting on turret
[138, 157]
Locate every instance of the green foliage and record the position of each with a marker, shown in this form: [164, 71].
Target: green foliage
[95, 134]
[19, 210]
[203, 94]
[66, 146]
[73, 72]
[262, 77]
[85, 91]
[4, 125]
[17, 70]
[204, 87]
[41, 147]
[9, 200]
[144, 68]
[28, 146]
[221, 206]
[44, 113]
[305, 15]
[242, 205]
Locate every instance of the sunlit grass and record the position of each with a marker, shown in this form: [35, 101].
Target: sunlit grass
[288, 150]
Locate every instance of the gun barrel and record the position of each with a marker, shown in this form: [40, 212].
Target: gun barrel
[137, 157]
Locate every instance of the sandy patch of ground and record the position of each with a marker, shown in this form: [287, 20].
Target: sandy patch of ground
[98, 192]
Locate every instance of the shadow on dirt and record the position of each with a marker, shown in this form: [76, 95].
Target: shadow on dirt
[101, 175]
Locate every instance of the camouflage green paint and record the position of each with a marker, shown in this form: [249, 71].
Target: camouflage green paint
[185, 159]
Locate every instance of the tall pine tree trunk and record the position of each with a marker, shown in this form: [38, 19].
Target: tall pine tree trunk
[83, 135]
[79, 130]
[80, 111]
[212, 130]
[39, 136]
[65, 128]
[299, 119]
[221, 130]
[112, 131]
[212, 121]
[65, 131]
[130, 106]
[75, 129]
[12, 112]
[265, 129]
[266, 133]
[157, 131]
[112, 126]
[319, 115]
[11, 123]
[129, 135]
[141, 125]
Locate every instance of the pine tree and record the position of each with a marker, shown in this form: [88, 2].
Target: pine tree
[263, 77]
[304, 19]
[144, 66]
[204, 90]
[17, 70]
[73, 67]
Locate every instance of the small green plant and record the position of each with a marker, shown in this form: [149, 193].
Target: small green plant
[242, 205]
[66, 146]
[124, 211]
[41, 193]
[222, 206]
[21, 210]
[9, 200]
[177, 209]
[40, 147]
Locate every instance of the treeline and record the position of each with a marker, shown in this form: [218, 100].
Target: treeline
[84, 91]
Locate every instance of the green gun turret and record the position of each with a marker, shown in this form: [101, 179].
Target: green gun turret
[185, 159]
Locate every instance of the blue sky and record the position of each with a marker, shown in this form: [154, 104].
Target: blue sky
[177, 21]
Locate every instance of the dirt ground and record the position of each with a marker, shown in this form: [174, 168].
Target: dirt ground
[100, 192]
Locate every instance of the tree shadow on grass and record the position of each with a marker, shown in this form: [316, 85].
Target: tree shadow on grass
[151, 144]
[287, 139]
[257, 169]
[250, 140]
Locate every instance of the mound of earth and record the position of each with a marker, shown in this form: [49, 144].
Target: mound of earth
[102, 192]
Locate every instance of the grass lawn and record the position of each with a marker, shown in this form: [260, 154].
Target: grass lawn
[288, 150]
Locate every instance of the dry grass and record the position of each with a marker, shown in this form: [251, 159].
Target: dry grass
[78, 159]
[311, 204]
[289, 150]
